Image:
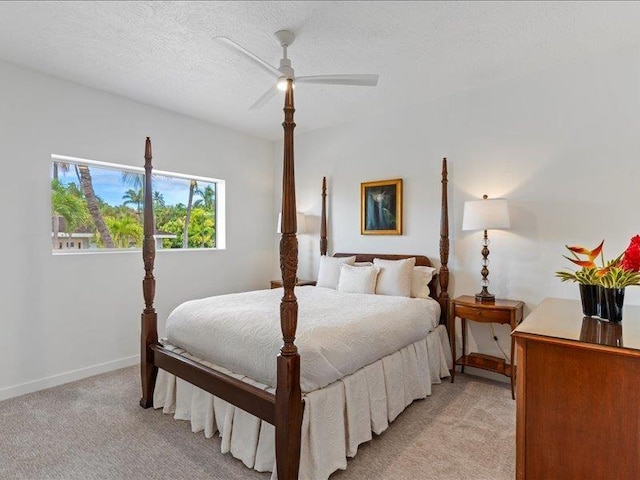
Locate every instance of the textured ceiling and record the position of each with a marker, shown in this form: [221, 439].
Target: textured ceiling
[163, 54]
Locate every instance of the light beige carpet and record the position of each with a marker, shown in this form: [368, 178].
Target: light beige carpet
[94, 429]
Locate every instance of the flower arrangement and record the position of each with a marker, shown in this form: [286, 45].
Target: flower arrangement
[602, 287]
[620, 272]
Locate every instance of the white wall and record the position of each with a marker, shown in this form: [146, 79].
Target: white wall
[64, 317]
[563, 146]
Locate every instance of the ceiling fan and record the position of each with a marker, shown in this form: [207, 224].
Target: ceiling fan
[284, 72]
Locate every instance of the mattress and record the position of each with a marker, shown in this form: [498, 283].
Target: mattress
[338, 333]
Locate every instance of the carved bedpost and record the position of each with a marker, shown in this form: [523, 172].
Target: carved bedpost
[288, 394]
[443, 298]
[149, 330]
[323, 219]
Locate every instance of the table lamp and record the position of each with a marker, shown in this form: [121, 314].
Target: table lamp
[485, 214]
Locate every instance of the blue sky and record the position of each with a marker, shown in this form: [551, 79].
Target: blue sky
[109, 186]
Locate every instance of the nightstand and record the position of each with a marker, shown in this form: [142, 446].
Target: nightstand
[299, 283]
[502, 311]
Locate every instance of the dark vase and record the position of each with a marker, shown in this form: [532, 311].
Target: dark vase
[614, 300]
[603, 311]
[589, 297]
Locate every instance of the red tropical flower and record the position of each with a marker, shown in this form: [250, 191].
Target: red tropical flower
[631, 256]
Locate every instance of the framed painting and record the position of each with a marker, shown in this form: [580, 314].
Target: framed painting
[381, 207]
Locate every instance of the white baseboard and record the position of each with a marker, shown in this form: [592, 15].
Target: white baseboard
[55, 380]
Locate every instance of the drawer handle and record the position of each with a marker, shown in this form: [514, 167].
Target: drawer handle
[479, 312]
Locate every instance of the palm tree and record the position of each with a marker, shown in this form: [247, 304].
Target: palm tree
[64, 167]
[193, 186]
[60, 166]
[135, 180]
[93, 205]
[208, 198]
[135, 197]
[67, 205]
[208, 203]
[158, 199]
[125, 230]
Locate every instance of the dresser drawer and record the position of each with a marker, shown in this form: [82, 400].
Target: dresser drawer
[483, 314]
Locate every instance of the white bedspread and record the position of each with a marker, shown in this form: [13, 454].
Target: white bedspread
[338, 333]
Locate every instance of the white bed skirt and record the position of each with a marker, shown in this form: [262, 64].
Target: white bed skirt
[337, 418]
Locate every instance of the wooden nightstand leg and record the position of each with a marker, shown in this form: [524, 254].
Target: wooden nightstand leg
[463, 324]
[452, 339]
[513, 369]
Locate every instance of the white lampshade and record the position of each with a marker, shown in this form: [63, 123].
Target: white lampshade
[486, 214]
[299, 221]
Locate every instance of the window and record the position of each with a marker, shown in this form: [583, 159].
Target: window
[97, 206]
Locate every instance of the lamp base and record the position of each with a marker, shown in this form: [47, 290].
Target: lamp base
[485, 297]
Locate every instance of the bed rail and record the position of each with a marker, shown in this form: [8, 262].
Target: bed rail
[249, 398]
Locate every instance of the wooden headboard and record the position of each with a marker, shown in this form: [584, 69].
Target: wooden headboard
[421, 260]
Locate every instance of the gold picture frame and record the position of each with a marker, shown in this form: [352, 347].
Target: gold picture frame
[381, 207]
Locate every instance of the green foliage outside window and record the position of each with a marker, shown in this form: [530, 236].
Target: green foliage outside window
[105, 206]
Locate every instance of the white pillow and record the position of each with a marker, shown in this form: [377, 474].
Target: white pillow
[420, 281]
[363, 264]
[329, 270]
[395, 276]
[357, 279]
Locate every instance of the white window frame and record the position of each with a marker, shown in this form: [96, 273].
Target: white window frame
[220, 226]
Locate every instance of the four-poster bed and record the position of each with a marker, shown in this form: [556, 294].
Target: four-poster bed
[283, 406]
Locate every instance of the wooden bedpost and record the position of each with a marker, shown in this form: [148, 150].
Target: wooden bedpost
[149, 331]
[323, 219]
[443, 298]
[288, 421]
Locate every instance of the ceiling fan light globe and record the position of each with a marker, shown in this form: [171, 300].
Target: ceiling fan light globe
[282, 84]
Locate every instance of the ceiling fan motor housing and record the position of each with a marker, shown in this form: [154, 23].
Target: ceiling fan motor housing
[285, 68]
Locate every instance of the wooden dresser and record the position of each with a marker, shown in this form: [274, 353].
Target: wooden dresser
[577, 394]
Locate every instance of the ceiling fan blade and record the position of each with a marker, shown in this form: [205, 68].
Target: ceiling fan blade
[363, 80]
[268, 95]
[257, 60]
